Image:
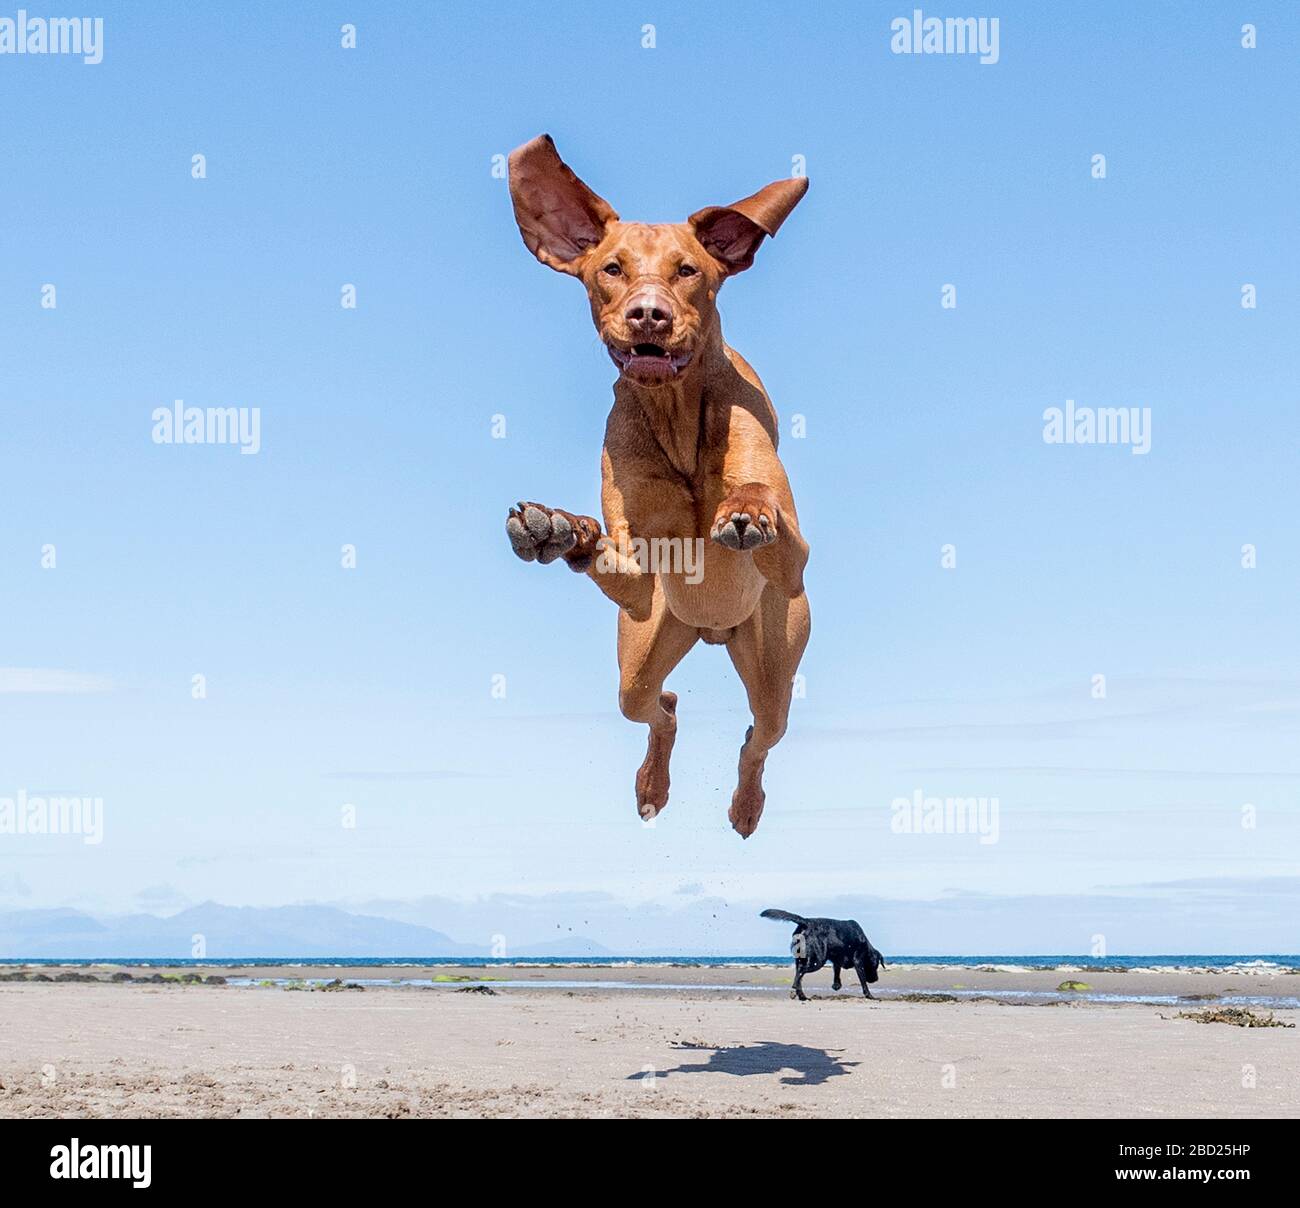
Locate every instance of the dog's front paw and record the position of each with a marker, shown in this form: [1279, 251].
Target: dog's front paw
[541, 534]
[747, 518]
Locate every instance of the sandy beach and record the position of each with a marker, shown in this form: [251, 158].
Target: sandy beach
[145, 1049]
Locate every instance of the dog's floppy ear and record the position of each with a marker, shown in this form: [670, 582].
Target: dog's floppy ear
[558, 216]
[731, 234]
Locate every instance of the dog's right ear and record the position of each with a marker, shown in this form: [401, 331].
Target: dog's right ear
[559, 217]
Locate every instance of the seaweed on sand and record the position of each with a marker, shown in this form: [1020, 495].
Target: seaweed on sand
[339, 984]
[1241, 1017]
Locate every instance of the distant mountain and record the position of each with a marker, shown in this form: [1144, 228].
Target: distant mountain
[229, 932]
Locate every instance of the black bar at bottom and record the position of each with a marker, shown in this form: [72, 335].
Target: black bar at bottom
[366, 1156]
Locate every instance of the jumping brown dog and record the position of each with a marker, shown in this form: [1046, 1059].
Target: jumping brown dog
[690, 453]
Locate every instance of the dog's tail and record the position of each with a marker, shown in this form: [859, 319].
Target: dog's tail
[783, 915]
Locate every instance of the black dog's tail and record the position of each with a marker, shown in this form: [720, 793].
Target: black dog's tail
[784, 916]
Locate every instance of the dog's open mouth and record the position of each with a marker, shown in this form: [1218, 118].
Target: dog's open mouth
[649, 362]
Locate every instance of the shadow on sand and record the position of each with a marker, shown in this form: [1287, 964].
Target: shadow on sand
[811, 1067]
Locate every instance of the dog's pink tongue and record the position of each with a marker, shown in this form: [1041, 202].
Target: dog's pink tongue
[656, 368]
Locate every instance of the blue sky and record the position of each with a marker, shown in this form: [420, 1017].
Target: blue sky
[373, 166]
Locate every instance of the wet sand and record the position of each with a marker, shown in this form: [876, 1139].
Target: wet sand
[899, 979]
[78, 1050]
[894, 980]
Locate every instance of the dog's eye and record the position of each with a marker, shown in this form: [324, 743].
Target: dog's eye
[612, 269]
[687, 270]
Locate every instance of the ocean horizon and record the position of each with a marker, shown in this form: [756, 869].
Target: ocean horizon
[1235, 962]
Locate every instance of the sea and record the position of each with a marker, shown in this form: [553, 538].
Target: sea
[1190, 963]
[423, 972]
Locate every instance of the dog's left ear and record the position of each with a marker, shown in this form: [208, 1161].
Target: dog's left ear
[731, 234]
[558, 216]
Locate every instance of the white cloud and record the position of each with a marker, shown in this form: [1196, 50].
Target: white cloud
[46, 679]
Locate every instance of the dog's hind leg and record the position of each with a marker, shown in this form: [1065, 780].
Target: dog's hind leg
[647, 651]
[766, 650]
[796, 990]
[836, 984]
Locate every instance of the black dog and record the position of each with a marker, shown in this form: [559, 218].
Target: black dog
[840, 941]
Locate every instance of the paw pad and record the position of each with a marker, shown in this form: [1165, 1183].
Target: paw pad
[742, 530]
[538, 534]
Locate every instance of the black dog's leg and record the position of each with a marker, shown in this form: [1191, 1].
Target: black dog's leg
[796, 991]
[836, 984]
[861, 966]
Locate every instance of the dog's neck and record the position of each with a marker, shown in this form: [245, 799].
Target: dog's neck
[676, 410]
